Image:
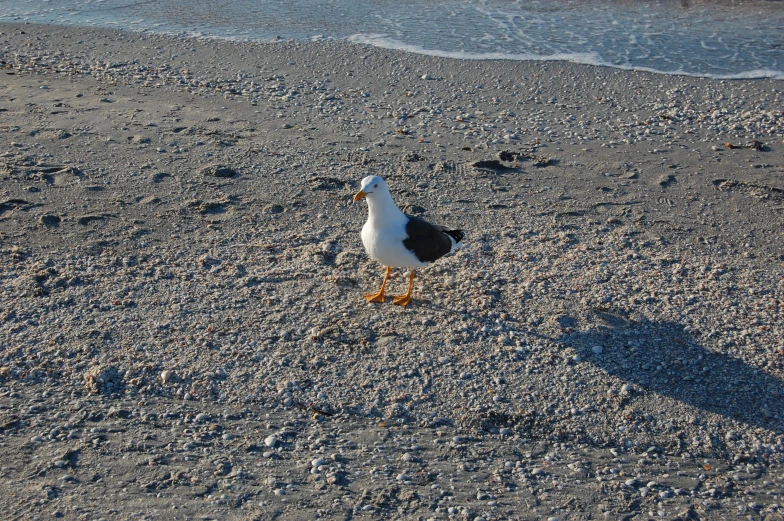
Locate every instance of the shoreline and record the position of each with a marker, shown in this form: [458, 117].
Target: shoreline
[620, 290]
[751, 26]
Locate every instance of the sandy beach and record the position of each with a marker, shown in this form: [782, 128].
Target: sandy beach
[182, 329]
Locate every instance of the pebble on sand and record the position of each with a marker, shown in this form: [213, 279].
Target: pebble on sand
[166, 376]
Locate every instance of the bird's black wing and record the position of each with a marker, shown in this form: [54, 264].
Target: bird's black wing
[428, 242]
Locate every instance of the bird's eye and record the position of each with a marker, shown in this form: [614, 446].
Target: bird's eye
[375, 185]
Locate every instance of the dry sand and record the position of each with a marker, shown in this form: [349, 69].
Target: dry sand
[183, 334]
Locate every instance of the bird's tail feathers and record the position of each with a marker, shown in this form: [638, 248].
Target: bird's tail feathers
[456, 236]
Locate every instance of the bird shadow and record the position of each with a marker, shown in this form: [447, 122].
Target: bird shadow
[665, 359]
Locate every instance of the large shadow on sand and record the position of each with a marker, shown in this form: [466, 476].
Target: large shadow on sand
[663, 358]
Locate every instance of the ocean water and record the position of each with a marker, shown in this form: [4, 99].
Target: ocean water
[718, 39]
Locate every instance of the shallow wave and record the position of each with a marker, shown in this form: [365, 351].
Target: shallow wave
[384, 42]
[586, 58]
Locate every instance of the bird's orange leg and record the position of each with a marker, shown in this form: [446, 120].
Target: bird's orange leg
[379, 297]
[403, 300]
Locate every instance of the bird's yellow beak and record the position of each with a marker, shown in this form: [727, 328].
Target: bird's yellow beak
[360, 195]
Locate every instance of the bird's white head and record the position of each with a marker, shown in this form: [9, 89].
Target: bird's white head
[373, 187]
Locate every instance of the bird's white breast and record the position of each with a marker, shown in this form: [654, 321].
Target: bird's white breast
[384, 244]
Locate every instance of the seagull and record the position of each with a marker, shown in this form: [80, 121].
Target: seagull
[397, 240]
